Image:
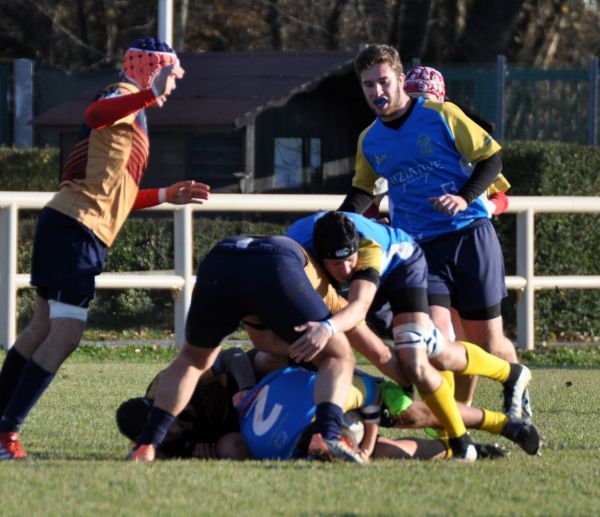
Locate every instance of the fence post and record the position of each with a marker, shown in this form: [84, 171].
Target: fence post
[593, 103]
[500, 83]
[183, 222]
[8, 272]
[525, 268]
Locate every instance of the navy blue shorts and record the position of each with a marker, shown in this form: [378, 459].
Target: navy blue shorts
[242, 276]
[403, 290]
[467, 268]
[67, 256]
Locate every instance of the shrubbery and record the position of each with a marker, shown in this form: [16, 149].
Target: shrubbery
[565, 244]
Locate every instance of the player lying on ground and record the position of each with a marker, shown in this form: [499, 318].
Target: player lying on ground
[281, 405]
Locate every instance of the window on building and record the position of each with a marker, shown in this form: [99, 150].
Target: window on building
[297, 162]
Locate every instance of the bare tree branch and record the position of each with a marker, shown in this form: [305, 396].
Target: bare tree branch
[59, 25]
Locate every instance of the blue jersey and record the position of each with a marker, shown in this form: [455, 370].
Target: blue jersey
[276, 412]
[381, 246]
[432, 153]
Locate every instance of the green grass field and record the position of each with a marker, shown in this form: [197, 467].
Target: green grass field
[77, 462]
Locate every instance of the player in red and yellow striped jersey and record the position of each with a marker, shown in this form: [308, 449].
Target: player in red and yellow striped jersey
[98, 189]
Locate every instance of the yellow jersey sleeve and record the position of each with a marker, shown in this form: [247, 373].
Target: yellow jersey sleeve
[318, 279]
[472, 141]
[370, 256]
[364, 176]
[500, 184]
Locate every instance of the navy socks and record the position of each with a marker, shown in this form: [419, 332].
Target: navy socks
[13, 365]
[32, 383]
[329, 420]
[156, 428]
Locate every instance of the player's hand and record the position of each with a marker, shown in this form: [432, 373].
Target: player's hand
[308, 346]
[364, 454]
[448, 204]
[184, 192]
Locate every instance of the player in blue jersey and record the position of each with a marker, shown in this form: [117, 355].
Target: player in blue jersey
[262, 276]
[379, 264]
[276, 416]
[438, 164]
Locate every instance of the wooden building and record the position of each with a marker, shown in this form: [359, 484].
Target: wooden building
[249, 121]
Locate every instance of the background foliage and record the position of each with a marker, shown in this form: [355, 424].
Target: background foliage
[565, 244]
[80, 34]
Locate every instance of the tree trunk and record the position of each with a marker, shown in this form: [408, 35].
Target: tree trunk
[332, 24]
[488, 31]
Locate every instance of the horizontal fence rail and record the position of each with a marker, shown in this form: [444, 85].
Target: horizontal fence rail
[183, 279]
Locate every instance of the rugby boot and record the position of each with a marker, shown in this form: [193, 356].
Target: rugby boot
[527, 411]
[463, 448]
[524, 434]
[143, 453]
[490, 451]
[331, 450]
[514, 390]
[11, 447]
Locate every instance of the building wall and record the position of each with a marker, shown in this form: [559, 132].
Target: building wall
[210, 156]
[334, 113]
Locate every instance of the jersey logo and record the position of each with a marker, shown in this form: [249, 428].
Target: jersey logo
[260, 424]
[424, 143]
[379, 158]
[449, 188]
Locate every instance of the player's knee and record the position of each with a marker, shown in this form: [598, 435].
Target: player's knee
[38, 329]
[413, 343]
[415, 368]
[416, 336]
[339, 348]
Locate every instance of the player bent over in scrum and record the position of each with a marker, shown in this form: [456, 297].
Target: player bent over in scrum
[263, 276]
[378, 264]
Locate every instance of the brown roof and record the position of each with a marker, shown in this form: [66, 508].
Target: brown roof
[223, 88]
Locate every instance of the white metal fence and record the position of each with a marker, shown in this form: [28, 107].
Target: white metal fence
[183, 277]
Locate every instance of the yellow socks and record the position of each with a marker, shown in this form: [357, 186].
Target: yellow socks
[444, 407]
[480, 362]
[493, 422]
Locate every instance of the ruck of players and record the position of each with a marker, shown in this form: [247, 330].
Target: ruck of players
[416, 292]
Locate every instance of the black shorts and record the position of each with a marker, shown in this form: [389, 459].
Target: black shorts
[67, 257]
[262, 276]
[403, 290]
[467, 268]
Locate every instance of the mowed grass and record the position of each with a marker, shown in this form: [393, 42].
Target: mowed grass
[77, 463]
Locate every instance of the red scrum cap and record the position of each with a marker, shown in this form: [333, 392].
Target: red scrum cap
[424, 79]
[145, 58]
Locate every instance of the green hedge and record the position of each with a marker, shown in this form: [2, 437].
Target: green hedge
[29, 169]
[565, 244]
